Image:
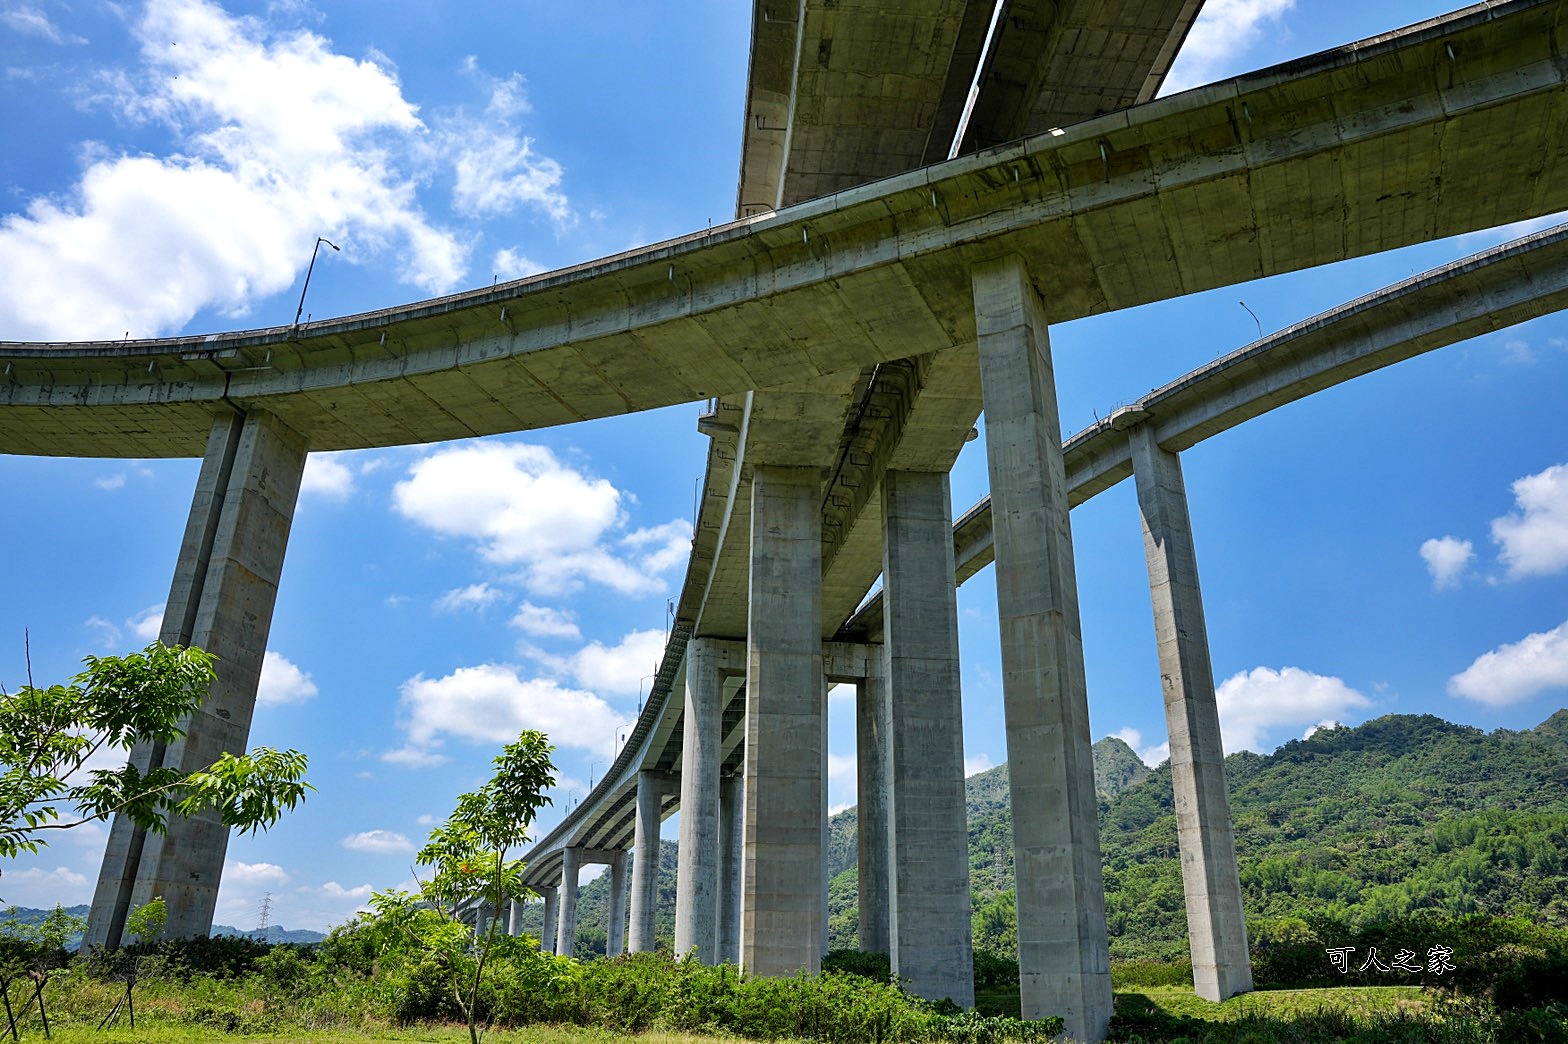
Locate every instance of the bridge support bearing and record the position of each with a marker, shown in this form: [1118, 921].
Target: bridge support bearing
[873, 725]
[782, 908]
[1062, 949]
[566, 914]
[552, 911]
[1216, 924]
[225, 586]
[930, 913]
[697, 885]
[645, 861]
[620, 880]
[732, 809]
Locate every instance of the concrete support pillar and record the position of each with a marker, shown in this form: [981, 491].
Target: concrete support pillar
[732, 825]
[1216, 924]
[645, 861]
[930, 914]
[225, 586]
[566, 926]
[873, 721]
[782, 909]
[552, 910]
[620, 882]
[697, 884]
[514, 918]
[1062, 950]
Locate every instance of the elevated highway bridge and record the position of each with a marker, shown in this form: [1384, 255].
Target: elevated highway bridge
[870, 299]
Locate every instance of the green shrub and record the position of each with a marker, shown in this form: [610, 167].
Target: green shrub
[866, 964]
[994, 970]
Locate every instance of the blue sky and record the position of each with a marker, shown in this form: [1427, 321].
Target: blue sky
[1399, 544]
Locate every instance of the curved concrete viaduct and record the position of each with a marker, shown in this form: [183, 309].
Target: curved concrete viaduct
[849, 341]
[1487, 291]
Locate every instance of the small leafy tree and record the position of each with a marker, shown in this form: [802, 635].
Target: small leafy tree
[33, 948]
[470, 869]
[48, 735]
[146, 923]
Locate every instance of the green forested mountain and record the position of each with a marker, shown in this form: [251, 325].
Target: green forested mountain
[1399, 814]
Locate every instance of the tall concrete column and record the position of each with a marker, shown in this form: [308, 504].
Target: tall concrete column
[782, 910]
[1216, 924]
[873, 721]
[566, 926]
[552, 911]
[514, 918]
[645, 861]
[930, 919]
[732, 825]
[225, 586]
[1062, 950]
[620, 880]
[696, 884]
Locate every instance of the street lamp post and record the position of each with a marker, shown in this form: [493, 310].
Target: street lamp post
[314, 251]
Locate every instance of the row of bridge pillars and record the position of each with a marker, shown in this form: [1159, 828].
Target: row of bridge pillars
[913, 856]
[753, 852]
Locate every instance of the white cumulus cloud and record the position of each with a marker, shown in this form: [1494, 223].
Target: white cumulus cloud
[544, 622]
[250, 874]
[278, 137]
[378, 842]
[282, 682]
[1151, 755]
[146, 624]
[620, 669]
[359, 893]
[508, 264]
[1534, 538]
[414, 757]
[1252, 703]
[471, 598]
[1446, 559]
[528, 511]
[1222, 34]
[977, 763]
[489, 700]
[497, 170]
[38, 887]
[327, 475]
[1513, 673]
[29, 20]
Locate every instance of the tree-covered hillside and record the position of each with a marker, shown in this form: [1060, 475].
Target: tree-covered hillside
[1400, 814]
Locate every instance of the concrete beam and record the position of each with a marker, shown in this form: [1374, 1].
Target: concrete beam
[224, 589]
[782, 911]
[1063, 957]
[1216, 923]
[930, 911]
[1356, 150]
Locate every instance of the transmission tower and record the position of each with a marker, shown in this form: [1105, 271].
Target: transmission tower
[265, 920]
